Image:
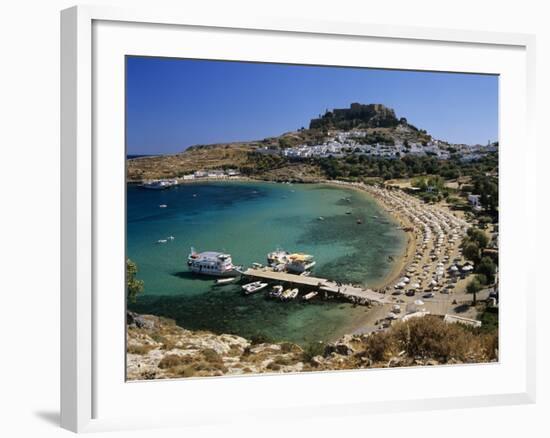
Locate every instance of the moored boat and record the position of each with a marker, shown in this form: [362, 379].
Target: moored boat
[310, 295]
[299, 263]
[277, 257]
[289, 294]
[159, 184]
[217, 264]
[276, 291]
[256, 286]
[226, 280]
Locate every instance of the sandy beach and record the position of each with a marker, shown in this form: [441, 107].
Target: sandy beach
[432, 266]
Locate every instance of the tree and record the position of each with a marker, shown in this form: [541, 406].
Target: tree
[484, 221]
[478, 236]
[471, 251]
[473, 287]
[488, 268]
[482, 278]
[133, 285]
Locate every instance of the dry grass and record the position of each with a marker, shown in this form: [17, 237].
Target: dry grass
[140, 349]
[170, 166]
[430, 337]
[174, 360]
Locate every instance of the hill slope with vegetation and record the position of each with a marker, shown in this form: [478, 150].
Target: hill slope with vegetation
[158, 348]
[373, 123]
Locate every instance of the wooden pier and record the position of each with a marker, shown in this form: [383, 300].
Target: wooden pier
[345, 291]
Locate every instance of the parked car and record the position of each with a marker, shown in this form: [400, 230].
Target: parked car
[428, 295]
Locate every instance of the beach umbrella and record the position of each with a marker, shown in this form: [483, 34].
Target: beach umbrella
[454, 268]
[416, 285]
[419, 302]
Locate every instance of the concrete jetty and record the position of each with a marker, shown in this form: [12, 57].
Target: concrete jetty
[345, 291]
[285, 277]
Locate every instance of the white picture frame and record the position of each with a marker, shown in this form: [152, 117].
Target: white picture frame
[88, 394]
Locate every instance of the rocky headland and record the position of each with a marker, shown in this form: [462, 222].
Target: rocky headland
[159, 349]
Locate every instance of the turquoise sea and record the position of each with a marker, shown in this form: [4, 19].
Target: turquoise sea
[248, 220]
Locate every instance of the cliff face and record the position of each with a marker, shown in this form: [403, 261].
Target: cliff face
[159, 349]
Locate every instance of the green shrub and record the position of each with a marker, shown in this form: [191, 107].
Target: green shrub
[311, 350]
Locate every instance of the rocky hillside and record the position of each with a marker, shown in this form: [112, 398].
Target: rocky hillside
[216, 156]
[159, 349]
[373, 123]
[357, 116]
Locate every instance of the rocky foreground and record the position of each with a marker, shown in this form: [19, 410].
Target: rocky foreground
[159, 349]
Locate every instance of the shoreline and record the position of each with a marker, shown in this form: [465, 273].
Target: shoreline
[421, 223]
[399, 265]
[432, 246]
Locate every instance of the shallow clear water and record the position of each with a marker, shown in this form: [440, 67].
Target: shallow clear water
[248, 220]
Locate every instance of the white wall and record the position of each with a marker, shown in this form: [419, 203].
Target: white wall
[29, 231]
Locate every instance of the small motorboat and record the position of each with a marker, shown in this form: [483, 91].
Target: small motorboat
[225, 280]
[163, 206]
[310, 295]
[250, 288]
[171, 237]
[289, 294]
[321, 218]
[276, 291]
[257, 265]
[162, 241]
[359, 221]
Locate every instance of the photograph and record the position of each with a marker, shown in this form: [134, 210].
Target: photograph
[292, 218]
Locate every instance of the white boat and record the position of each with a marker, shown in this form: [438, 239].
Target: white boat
[217, 264]
[276, 291]
[225, 280]
[310, 295]
[160, 184]
[299, 263]
[162, 241]
[163, 206]
[250, 288]
[277, 257]
[289, 294]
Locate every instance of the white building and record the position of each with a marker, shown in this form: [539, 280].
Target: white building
[474, 200]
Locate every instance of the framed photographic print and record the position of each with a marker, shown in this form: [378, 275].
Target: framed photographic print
[291, 218]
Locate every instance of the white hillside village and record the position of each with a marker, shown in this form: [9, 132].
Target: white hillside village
[342, 143]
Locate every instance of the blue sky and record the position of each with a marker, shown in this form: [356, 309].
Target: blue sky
[175, 103]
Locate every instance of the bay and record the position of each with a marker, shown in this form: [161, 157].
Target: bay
[248, 220]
